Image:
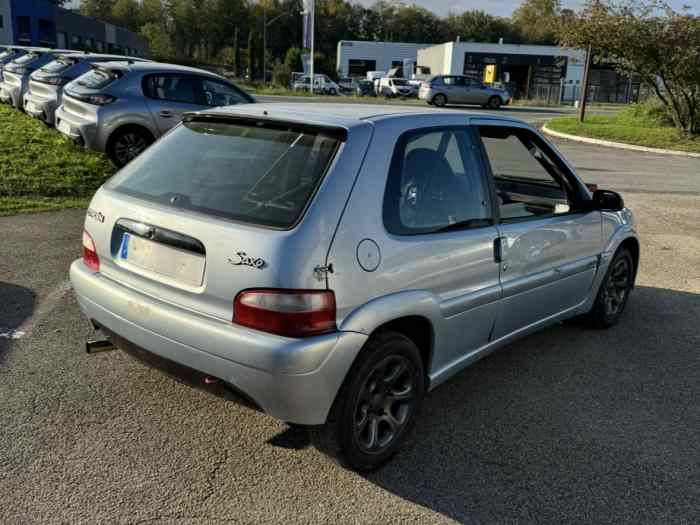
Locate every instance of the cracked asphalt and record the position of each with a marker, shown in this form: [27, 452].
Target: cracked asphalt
[569, 425]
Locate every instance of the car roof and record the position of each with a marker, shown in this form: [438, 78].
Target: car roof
[155, 67]
[112, 58]
[342, 115]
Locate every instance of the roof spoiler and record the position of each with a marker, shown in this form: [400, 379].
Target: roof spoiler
[265, 121]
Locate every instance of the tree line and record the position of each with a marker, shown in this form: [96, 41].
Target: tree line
[230, 31]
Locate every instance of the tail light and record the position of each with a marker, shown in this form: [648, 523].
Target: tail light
[90, 257]
[293, 313]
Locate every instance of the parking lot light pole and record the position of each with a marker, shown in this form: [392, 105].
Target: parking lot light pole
[265, 24]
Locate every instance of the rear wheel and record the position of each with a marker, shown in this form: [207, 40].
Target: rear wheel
[376, 407]
[495, 102]
[440, 100]
[127, 144]
[614, 291]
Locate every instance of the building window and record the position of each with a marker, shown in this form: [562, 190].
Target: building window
[100, 46]
[76, 42]
[2, 22]
[89, 44]
[61, 40]
[24, 25]
[396, 63]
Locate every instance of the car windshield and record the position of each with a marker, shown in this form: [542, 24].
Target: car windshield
[254, 172]
[58, 65]
[97, 78]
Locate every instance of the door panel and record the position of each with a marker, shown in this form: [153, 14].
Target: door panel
[549, 243]
[170, 96]
[548, 266]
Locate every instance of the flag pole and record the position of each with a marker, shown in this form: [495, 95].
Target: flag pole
[312, 30]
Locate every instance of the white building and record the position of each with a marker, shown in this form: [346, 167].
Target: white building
[529, 70]
[355, 57]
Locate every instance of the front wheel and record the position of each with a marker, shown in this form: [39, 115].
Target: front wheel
[614, 291]
[495, 102]
[376, 407]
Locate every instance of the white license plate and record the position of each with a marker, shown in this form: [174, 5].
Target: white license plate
[64, 127]
[164, 261]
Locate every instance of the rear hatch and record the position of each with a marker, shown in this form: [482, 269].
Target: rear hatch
[47, 79]
[210, 210]
[77, 94]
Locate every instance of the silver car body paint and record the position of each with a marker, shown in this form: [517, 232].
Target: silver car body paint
[450, 280]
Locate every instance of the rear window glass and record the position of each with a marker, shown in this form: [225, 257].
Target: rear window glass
[97, 79]
[252, 173]
[5, 54]
[56, 66]
[25, 59]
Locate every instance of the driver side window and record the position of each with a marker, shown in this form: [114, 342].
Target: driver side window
[219, 94]
[435, 184]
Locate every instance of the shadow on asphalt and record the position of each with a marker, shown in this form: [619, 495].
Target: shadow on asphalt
[567, 425]
[16, 305]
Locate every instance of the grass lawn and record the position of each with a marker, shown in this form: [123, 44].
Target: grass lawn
[631, 126]
[40, 170]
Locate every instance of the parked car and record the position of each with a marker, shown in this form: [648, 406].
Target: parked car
[455, 89]
[253, 250]
[16, 73]
[120, 108]
[347, 85]
[7, 55]
[45, 89]
[365, 88]
[322, 85]
[390, 87]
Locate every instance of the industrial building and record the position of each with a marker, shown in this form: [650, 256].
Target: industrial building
[41, 23]
[549, 73]
[355, 58]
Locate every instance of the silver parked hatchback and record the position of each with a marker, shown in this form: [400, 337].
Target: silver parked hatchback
[456, 89]
[120, 108]
[45, 91]
[333, 263]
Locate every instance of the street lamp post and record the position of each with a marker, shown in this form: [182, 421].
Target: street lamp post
[265, 24]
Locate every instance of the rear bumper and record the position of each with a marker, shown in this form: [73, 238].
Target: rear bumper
[9, 94]
[294, 380]
[40, 107]
[80, 130]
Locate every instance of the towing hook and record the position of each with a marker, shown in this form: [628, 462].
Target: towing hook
[102, 345]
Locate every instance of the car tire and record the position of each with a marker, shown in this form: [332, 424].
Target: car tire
[614, 291]
[439, 100]
[127, 143]
[376, 407]
[495, 102]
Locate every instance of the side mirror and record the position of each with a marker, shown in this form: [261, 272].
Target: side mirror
[606, 200]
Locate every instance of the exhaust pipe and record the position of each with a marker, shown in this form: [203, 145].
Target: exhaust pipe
[95, 347]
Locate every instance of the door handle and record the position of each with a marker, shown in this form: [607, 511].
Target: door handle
[498, 250]
[166, 113]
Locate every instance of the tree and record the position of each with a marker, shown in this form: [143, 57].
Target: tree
[538, 20]
[237, 52]
[251, 56]
[99, 9]
[160, 45]
[649, 39]
[479, 26]
[292, 59]
[127, 14]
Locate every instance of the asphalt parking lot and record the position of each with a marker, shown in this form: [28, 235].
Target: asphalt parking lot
[569, 425]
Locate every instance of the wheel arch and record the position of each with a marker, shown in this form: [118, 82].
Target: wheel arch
[419, 330]
[631, 244]
[127, 126]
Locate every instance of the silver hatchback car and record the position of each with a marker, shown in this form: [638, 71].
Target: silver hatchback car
[45, 91]
[120, 108]
[333, 263]
[456, 89]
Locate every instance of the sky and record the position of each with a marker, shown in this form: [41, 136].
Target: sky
[494, 7]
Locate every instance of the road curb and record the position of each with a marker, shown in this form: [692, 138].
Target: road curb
[618, 145]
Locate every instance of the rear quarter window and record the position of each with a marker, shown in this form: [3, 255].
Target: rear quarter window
[249, 172]
[97, 79]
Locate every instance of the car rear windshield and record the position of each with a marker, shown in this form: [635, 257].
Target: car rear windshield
[26, 58]
[97, 78]
[58, 65]
[255, 172]
[6, 53]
